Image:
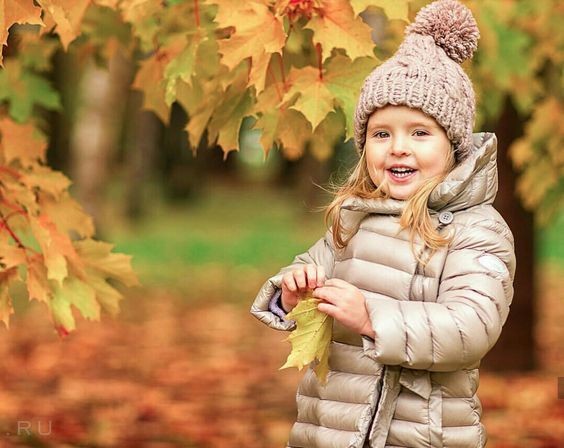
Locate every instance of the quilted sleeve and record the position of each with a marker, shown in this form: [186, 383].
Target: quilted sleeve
[456, 331]
[321, 254]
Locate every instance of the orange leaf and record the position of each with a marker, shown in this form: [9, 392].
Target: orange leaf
[22, 142]
[56, 247]
[6, 308]
[67, 16]
[37, 282]
[16, 11]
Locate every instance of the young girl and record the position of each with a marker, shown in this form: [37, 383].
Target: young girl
[417, 266]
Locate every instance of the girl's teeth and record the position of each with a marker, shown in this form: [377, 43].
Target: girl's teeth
[402, 173]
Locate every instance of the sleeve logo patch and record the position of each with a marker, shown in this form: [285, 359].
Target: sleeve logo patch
[492, 263]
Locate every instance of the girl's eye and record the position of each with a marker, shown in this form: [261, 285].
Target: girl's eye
[381, 134]
[421, 133]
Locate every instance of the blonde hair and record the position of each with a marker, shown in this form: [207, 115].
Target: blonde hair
[415, 215]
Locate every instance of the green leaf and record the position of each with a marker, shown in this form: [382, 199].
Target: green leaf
[315, 100]
[24, 89]
[311, 339]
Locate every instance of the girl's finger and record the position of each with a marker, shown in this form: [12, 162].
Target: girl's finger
[328, 293]
[311, 276]
[289, 282]
[329, 309]
[338, 283]
[299, 277]
[320, 276]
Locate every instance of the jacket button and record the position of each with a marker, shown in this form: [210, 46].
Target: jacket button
[446, 217]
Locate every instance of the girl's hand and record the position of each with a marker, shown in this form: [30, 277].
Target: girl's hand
[345, 303]
[297, 282]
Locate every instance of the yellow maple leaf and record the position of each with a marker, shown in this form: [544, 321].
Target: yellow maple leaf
[337, 27]
[311, 339]
[250, 39]
[16, 11]
[149, 80]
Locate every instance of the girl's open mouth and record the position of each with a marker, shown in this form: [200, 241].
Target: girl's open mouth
[401, 176]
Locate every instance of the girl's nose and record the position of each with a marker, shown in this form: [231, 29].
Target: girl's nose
[399, 146]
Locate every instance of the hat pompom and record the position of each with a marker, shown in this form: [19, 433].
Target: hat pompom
[451, 25]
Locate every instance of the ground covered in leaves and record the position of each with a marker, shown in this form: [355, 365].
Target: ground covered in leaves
[173, 373]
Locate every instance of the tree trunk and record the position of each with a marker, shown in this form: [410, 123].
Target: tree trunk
[97, 129]
[144, 130]
[515, 350]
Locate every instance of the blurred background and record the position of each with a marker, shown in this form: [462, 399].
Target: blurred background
[185, 364]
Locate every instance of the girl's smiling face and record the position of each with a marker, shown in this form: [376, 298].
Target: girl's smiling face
[405, 147]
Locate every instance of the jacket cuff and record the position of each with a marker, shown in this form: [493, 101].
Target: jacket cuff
[275, 305]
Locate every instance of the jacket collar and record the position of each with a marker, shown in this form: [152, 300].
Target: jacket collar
[472, 182]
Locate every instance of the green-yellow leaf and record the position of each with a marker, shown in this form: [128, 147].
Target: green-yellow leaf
[327, 135]
[344, 79]
[315, 100]
[82, 296]
[98, 256]
[311, 339]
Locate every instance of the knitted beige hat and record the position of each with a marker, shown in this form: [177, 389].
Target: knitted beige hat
[425, 74]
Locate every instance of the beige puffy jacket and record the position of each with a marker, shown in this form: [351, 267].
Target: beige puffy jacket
[415, 384]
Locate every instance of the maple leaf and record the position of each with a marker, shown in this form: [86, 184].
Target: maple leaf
[278, 123]
[200, 100]
[24, 89]
[337, 27]
[394, 9]
[344, 78]
[56, 247]
[102, 265]
[250, 39]
[98, 256]
[311, 339]
[16, 11]
[67, 214]
[37, 283]
[44, 178]
[315, 100]
[6, 309]
[149, 81]
[67, 17]
[327, 135]
[226, 121]
[22, 142]
[11, 256]
[181, 67]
